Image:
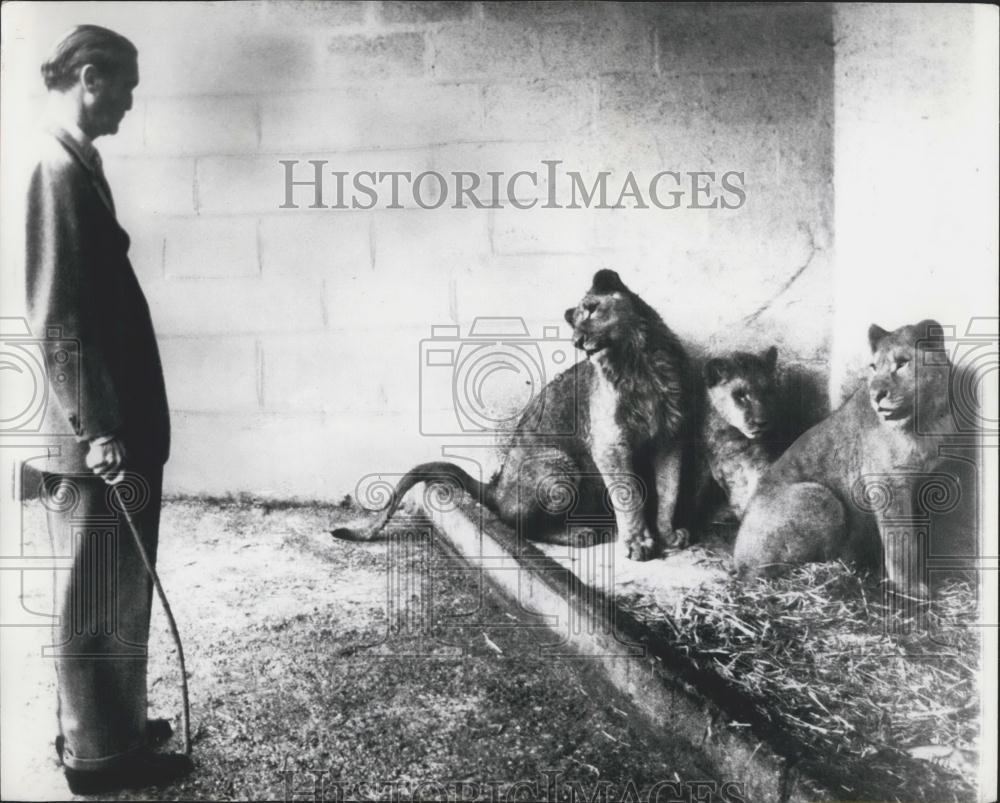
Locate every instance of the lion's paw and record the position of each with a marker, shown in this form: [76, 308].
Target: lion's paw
[678, 539]
[640, 549]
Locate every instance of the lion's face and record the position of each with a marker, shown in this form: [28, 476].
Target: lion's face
[743, 390]
[901, 376]
[599, 318]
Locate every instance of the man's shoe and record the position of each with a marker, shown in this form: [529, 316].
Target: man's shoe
[138, 771]
[158, 731]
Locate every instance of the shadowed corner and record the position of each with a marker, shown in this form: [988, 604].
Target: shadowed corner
[803, 401]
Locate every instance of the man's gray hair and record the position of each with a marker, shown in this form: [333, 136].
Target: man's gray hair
[86, 44]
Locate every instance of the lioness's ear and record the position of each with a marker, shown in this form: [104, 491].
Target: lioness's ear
[875, 334]
[606, 282]
[770, 358]
[930, 334]
[715, 371]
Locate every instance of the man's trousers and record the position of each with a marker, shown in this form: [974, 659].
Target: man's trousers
[103, 605]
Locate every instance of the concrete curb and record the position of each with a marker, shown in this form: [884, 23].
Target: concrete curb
[663, 686]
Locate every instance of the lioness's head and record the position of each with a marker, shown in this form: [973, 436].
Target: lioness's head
[608, 315]
[902, 372]
[743, 389]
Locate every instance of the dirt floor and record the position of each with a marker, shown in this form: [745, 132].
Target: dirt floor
[308, 655]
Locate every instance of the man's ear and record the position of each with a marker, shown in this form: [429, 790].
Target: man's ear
[875, 335]
[715, 371]
[90, 77]
[770, 358]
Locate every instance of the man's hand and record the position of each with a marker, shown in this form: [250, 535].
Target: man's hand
[106, 457]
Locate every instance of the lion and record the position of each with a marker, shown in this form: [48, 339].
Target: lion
[627, 406]
[848, 487]
[740, 430]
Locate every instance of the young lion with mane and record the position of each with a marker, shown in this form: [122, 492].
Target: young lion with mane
[628, 407]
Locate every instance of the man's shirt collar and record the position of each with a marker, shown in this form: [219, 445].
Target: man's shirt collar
[78, 143]
[79, 137]
[84, 144]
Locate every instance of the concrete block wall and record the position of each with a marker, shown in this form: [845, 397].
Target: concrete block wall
[290, 337]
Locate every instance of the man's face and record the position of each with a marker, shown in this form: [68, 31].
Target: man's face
[107, 98]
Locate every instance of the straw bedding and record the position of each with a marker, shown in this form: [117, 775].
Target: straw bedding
[884, 705]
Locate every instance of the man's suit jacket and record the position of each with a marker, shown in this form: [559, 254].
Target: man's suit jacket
[80, 282]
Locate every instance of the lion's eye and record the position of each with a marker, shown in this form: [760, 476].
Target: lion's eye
[901, 362]
[740, 395]
[871, 366]
[589, 307]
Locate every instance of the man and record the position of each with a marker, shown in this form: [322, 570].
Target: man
[108, 403]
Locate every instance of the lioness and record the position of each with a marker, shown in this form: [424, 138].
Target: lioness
[739, 427]
[627, 405]
[829, 494]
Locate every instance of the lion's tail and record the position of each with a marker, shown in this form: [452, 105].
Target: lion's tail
[425, 472]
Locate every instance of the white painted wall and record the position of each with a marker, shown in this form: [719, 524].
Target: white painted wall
[915, 171]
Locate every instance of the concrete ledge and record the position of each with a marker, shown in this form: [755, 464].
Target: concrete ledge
[672, 695]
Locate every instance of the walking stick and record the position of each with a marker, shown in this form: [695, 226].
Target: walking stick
[151, 571]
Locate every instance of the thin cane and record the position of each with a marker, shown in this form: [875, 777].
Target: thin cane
[151, 571]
